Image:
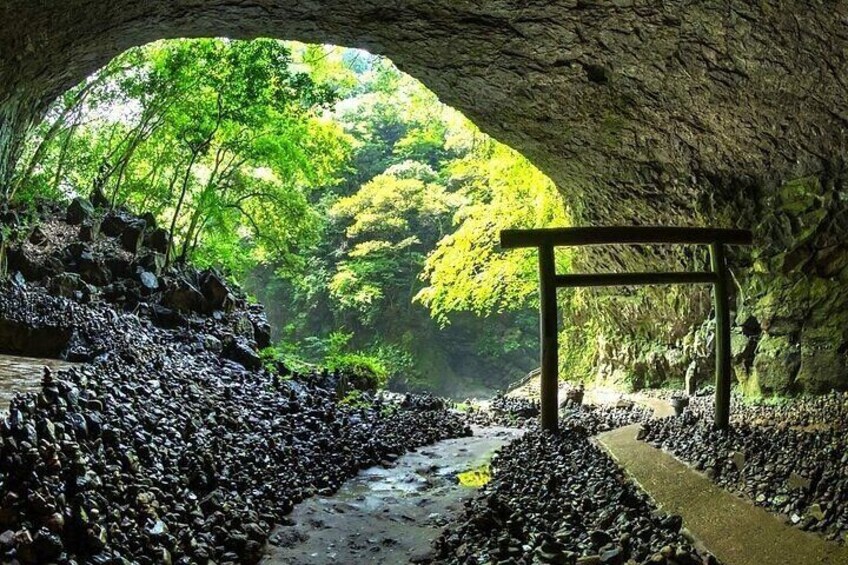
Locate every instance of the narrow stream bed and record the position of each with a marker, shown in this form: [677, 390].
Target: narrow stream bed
[389, 515]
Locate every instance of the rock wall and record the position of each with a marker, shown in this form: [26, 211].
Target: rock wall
[707, 112]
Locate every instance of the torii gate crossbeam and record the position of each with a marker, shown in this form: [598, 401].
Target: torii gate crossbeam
[545, 240]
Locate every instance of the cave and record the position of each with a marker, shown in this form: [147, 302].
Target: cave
[176, 440]
[716, 113]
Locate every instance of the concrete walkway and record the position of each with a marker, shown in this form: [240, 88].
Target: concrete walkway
[736, 531]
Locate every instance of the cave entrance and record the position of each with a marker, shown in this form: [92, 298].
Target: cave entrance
[545, 240]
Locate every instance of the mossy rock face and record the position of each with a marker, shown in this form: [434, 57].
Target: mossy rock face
[776, 365]
[823, 369]
[799, 195]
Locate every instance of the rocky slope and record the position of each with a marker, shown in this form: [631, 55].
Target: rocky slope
[173, 442]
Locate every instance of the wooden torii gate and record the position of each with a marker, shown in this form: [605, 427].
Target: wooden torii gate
[547, 239]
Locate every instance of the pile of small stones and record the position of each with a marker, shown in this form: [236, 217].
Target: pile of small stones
[791, 458]
[514, 409]
[174, 443]
[560, 499]
[595, 419]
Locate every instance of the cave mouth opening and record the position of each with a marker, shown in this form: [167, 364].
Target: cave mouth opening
[339, 191]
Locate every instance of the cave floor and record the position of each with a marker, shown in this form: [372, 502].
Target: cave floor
[735, 530]
[387, 514]
[23, 374]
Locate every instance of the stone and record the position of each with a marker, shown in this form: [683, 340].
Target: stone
[66, 285]
[167, 318]
[184, 297]
[89, 230]
[215, 292]
[212, 343]
[114, 224]
[148, 280]
[776, 364]
[132, 237]
[153, 262]
[157, 240]
[94, 271]
[79, 211]
[37, 237]
[240, 351]
[798, 482]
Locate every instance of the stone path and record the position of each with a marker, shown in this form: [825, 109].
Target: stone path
[387, 515]
[22, 374]
[736, 531]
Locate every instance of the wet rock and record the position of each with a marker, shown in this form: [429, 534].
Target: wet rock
[153, 262]
[184, 297]
[167, 318]
[93, 270]
[67, 285]
[215, 292]
[114, 223]
[239, 350]
[158, 449]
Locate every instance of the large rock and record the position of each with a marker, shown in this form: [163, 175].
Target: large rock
[79, 211]
[215, 291]
[132, 237]
[184, 297]
[239, 350]
[94, 270]
[157, 240]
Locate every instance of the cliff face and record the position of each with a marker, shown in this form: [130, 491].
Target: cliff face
[711, 112]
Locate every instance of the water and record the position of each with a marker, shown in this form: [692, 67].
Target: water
[387, 515]
[22, 374]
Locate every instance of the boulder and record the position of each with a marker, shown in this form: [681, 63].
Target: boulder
[94, 271]
[132, 237]
[119, 267]
[148, 281]
[184, 297]
[776, 364]
[67, 285]
[153, 262]
[89, 230]
[157, 240]
[79, 211]
[238, 349]
[167, 318]
[261, 332]
[18, 338]
[17, 260]
[114, 223]
[215, 292]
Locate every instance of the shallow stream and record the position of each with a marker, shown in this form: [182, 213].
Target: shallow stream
[389, 514]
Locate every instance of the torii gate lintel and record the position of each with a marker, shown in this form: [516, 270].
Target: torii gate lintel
[545, 240]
